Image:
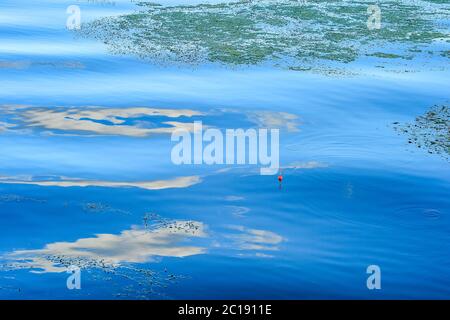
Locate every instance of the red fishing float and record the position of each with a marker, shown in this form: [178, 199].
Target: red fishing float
[280, 176]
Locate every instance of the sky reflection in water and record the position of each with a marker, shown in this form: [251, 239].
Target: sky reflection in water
[86, 176]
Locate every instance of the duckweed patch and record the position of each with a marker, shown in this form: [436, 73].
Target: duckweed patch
[385, 55]
[430, 131]
[295, 34]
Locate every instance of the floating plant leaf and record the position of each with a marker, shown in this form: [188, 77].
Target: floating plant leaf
[296, 34]
[430, 131]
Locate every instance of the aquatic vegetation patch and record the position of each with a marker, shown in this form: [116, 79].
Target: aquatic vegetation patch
[430, 131]
[120, 257]
[295, 34]
[100, 207]
[26, 64]
[18, 198]
[386, 55]
[153, 221]
[122, 280]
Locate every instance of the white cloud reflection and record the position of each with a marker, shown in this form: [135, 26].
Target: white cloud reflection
[179, 182]
[130, 246]
[254, 239]
[4, 126]
[275, 120]
[128, 121]
[105, 121]
[306, 165]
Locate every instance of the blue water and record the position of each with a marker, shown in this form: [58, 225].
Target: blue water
[367, 197]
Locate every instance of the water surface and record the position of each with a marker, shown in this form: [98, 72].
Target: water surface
[355, 191]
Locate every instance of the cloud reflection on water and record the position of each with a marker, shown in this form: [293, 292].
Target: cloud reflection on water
[130, 246]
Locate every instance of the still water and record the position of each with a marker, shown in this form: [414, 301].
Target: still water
[355, 191]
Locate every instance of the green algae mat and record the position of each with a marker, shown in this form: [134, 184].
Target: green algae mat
[298, 35]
